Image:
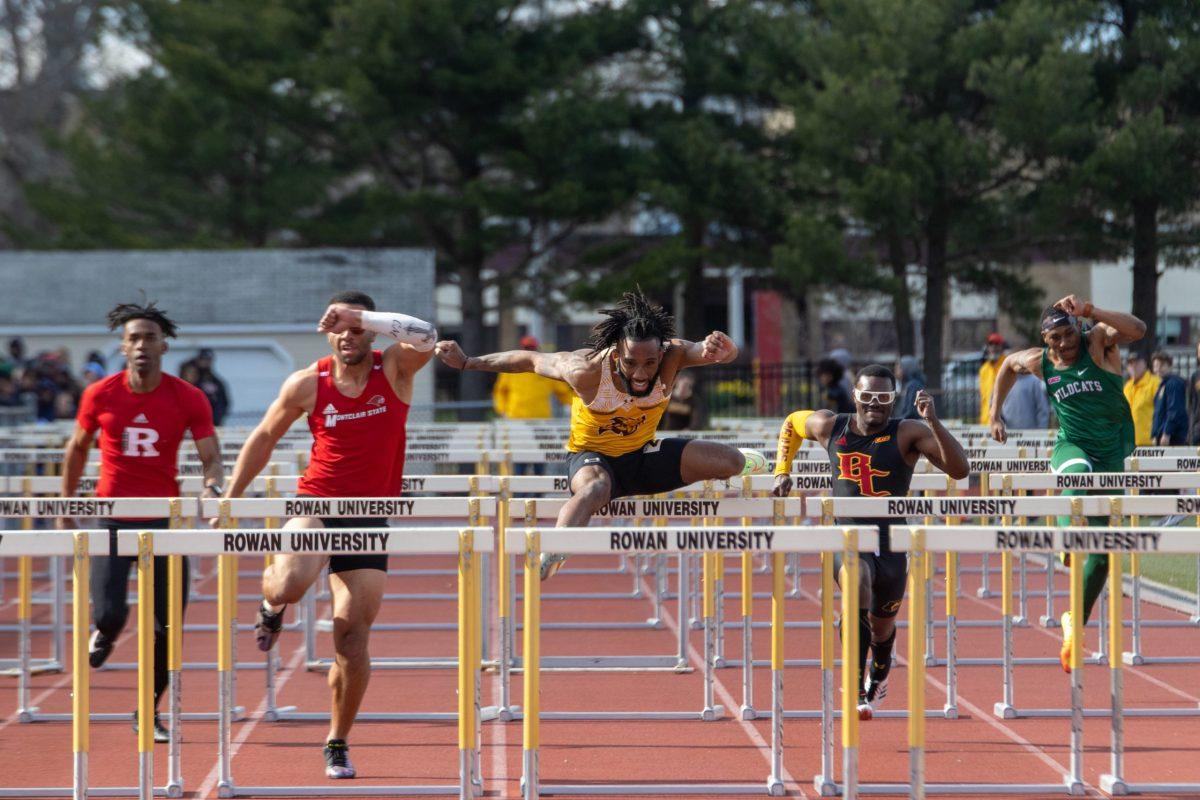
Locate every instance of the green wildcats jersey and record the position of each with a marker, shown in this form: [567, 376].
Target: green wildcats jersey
[1090, 404]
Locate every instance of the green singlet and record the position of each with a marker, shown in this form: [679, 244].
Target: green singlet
[1095, 434]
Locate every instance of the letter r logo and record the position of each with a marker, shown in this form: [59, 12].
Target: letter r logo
[139, 442]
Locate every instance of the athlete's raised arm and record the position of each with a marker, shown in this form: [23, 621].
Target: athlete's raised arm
[933, 441]
[560, 366]
[815, 425]
[1115, 327]
[414, 337]
[1024, 362]
[295, 397]
[716, 348]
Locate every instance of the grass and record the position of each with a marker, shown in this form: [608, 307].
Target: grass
[1178, 571]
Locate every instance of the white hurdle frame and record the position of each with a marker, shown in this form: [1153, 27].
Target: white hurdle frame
[533, 541]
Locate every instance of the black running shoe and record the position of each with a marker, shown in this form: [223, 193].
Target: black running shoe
[337, 760]
[267, 627]
[161, 734]
[100, 647]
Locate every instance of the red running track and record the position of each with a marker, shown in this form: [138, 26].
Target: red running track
[977, 747]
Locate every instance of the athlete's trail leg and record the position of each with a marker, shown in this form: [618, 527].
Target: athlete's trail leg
[357, 595]
[591, 489]
[289, 576]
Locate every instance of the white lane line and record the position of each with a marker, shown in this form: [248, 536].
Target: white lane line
[214, 775]
[792, 786]
[1166, 687]
[977, 712]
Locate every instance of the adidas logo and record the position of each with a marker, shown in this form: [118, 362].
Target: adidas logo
[329, 409]
[142, 419]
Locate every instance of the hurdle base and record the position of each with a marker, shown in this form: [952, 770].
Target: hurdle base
[29, 714]
[748, 712]
[1113, 785]
[228, 790]
[1132, 659]
[647, 788]
[775, 787]
[713, 713]
[984, 593]
[1020, 622]
[37, 669]
[275, 714]
[957, 789]
[1048, 621]
[825, 787]
[224, 789]
[950, 711]
[1004, 711]
[1074, 787]
[68, 791]
[175, 789]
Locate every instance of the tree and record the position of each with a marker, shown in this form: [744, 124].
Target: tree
[928, 128]
[484, 122]
[1140, 177]
[43, 76]
[218, 142]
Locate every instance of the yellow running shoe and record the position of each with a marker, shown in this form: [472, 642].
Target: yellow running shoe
[1068, 628]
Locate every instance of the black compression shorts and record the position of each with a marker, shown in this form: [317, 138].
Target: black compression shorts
[883, 576]
[651, 469]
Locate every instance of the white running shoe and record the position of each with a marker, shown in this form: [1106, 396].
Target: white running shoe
[756, 462]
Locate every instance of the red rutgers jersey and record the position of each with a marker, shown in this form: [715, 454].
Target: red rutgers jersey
[140, 433]
[358, 442]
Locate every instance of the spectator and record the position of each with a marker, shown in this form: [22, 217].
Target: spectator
[16, 356]
[1139, 391]
[92, 372]
[1193, 402]
[833, 394]
[526, 395]
[686, 410]
[189, 372]
[842, 356]
[993, 357]
[1170, 423]
[9, 394]
[911, 380]
[1027, 406]
[212, 386]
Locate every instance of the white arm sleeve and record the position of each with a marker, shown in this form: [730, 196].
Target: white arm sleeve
[403, 328]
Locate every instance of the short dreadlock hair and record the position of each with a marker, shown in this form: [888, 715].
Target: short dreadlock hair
[635, 317]
[125, 312]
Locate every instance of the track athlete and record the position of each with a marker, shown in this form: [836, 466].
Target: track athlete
[141, 414]
[622, 382]
[356, 401]
[872, 455]
[1082, 375]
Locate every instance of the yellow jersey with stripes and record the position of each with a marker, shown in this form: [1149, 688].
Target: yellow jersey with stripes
[615, 422]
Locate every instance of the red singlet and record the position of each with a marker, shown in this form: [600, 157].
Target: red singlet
[140, 434]
[358, 442]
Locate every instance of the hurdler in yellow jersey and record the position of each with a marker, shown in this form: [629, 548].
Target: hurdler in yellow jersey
[622, 382]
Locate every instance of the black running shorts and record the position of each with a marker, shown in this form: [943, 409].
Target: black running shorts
[338, 563]
[652, 469]
[885, 576]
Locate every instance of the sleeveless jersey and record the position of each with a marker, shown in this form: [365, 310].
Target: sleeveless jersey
[358, 442]
[1090, 404]
[615, 422]
[868, 466]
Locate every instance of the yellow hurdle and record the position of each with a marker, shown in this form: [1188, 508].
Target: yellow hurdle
[850, 662]
[145, 650]
[532, 654]
[916, 670]
[81, 705]
[1075, 779]
[775, 785]
[1114, 781]
[467, 663]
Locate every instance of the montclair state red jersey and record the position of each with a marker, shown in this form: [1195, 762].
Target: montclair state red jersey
[358, 442]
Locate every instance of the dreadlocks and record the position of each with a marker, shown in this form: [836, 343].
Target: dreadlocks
[130, 311]
[635, 317]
